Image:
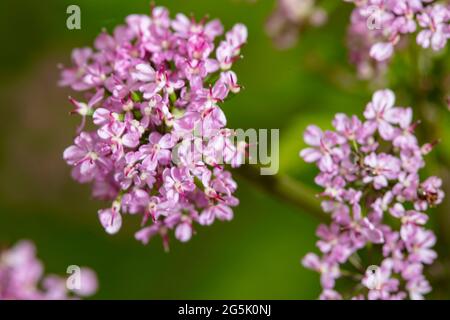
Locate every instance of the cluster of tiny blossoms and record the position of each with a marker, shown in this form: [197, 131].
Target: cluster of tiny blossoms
[21, 277]
[370, 174]
[160, 140]
[378, 26]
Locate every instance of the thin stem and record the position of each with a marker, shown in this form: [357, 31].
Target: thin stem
[285, 188]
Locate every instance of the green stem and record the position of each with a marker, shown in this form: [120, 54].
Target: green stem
[285, 188]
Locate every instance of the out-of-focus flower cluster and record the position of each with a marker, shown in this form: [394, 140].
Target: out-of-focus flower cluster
[369, 170]
[22, 277]
[378, 26]
[160, 139]
[285, 23]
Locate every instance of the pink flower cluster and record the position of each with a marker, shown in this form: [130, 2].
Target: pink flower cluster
[21, 277]
[160, 139]
[369, 170]
[377, 26]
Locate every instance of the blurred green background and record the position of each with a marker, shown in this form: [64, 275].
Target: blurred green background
[256, 255]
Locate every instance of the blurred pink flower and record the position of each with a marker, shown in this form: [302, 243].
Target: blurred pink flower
[22, 277]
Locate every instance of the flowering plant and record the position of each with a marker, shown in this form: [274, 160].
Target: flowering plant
[154, 87]
[369, 169]
[370, 174]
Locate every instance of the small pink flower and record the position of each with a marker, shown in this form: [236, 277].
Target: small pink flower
[435, 20]
[110, 219]
[324, 148]
[177, 182]
[381, 169]
[382, 51]
[329, 271]
[381, 113]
